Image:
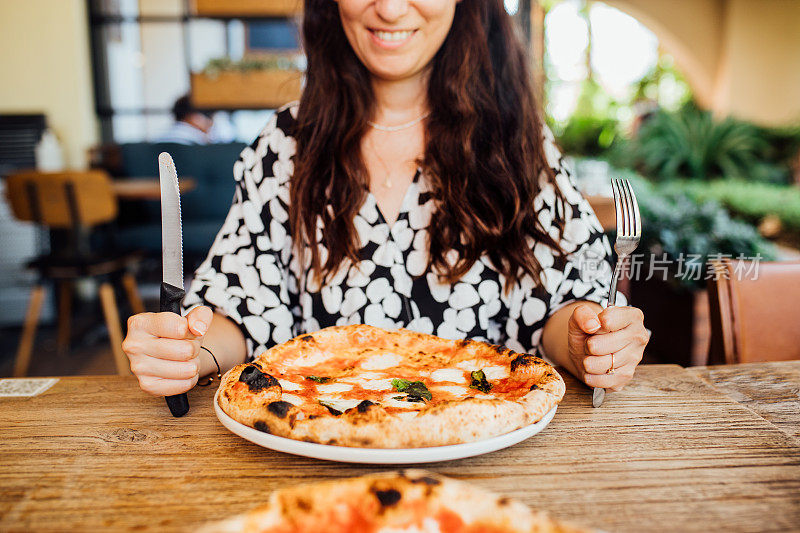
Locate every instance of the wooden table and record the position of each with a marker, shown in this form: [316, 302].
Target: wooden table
[146, 188]
[669, 453]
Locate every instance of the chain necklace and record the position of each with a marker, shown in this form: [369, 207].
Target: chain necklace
[387, 182]
[401, 126]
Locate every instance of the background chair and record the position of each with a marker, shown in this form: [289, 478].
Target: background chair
[754, 312]
[74, 203]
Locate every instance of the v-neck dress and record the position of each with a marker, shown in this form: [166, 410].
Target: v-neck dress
[253, 276]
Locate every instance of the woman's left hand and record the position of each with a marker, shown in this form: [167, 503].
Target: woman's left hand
[597, 339]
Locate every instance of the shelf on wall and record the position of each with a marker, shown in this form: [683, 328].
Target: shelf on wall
[261, 89]
[247, 8]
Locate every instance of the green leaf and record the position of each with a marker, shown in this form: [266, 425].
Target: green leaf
[479, 381]
[416, 389]
[318, 379]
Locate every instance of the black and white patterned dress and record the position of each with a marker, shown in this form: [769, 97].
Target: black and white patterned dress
[253, 276]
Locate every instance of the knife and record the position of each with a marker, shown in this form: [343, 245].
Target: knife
[171, 256]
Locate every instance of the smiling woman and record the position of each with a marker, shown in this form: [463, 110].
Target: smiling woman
[413, 186]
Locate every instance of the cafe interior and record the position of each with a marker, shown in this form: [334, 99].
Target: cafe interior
[693, 105]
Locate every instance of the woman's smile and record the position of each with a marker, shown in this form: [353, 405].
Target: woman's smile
[391, 39]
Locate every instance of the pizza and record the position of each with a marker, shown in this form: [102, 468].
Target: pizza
[411, 501]
[363, 386]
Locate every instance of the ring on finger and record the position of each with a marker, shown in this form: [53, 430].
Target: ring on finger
[611, 368]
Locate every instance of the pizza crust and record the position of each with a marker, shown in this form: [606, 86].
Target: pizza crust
[407, 500]
[370, 424]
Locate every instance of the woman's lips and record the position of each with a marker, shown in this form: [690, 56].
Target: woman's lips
[391, 40]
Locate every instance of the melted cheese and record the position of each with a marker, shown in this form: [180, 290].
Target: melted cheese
[381, 361]
[292, 399]
[332, 388]
[340, 404]
[288, 385]
[377, 384]
[407, 415]
[453, 375]
[495, 372]
[360, 377]
[429, 525]
[455, 390]
[469, 366]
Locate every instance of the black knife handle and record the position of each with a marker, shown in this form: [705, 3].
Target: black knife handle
[171, 298]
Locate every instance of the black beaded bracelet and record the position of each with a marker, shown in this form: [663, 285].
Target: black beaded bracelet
[219, 370]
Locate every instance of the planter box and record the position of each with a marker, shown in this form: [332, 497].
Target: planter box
[262, 89]
[247, 8]
[678, 319]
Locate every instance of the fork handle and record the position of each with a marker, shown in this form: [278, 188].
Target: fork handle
[598, 394]
[612, 293]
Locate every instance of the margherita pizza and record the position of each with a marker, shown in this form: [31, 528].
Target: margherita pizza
[367, 387]
[413, 501]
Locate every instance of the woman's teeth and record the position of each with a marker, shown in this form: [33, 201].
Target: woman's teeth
[393, 35]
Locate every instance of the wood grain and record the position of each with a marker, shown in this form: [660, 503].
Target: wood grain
[669, 453]
[771, 390]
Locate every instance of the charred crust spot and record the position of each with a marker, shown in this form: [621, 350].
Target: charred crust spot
[307, 338]
[331, 441]
[503, 501]
[521, 360]
[279, 408]
[432, 481]
[227, 395]
[463, 343]
[364, 406]
[535, 387]
[499, 349]
[256, 379]
[261, 426]
[312, 417]
[387, 498]
[304, 504]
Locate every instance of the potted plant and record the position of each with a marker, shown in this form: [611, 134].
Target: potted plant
[256, 82]
[679, 236]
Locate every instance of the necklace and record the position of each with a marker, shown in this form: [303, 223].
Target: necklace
[387, 182]
[401, 126]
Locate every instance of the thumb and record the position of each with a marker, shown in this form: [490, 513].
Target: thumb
[199, 320]
[584, 319]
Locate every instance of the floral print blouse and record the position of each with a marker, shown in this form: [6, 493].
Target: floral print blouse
[253, 276]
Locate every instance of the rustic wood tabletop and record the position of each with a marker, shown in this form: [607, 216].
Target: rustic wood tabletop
[669, 453]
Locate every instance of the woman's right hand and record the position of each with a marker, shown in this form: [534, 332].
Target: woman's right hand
[163, 349]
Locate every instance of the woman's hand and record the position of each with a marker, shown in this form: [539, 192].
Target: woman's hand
[596, 339]
[163, 349]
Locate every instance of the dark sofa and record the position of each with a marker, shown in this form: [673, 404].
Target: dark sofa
[203, 209]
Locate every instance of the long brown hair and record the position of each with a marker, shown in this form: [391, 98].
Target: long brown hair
[483, 155]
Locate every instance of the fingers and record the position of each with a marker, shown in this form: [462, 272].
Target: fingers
[162, 368]
[629, 355]
[199, 319]
[166, 325]
[166, 387]
[617, 318]
[615, 381]
[584, 318]
[608, 343]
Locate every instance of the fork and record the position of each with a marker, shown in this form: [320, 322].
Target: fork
[629, 232]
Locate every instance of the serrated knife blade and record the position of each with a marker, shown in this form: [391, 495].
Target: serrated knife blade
[172, 292]
[171, 230]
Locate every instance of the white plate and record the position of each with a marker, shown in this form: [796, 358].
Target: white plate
[383, 456]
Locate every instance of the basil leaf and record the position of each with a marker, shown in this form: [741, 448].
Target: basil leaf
[334, 411]
[318, 379]
[479, 381]
[412, 388]
[400, 385]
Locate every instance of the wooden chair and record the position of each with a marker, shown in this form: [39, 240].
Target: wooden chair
[754, 312]
[72, 202]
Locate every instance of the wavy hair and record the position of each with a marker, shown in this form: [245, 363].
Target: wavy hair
[484, 153]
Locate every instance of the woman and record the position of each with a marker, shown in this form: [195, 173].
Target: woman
[413, 186]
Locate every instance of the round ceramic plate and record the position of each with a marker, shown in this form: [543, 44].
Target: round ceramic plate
[383, 456]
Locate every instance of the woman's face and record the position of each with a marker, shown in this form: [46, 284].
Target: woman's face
[396, 39]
